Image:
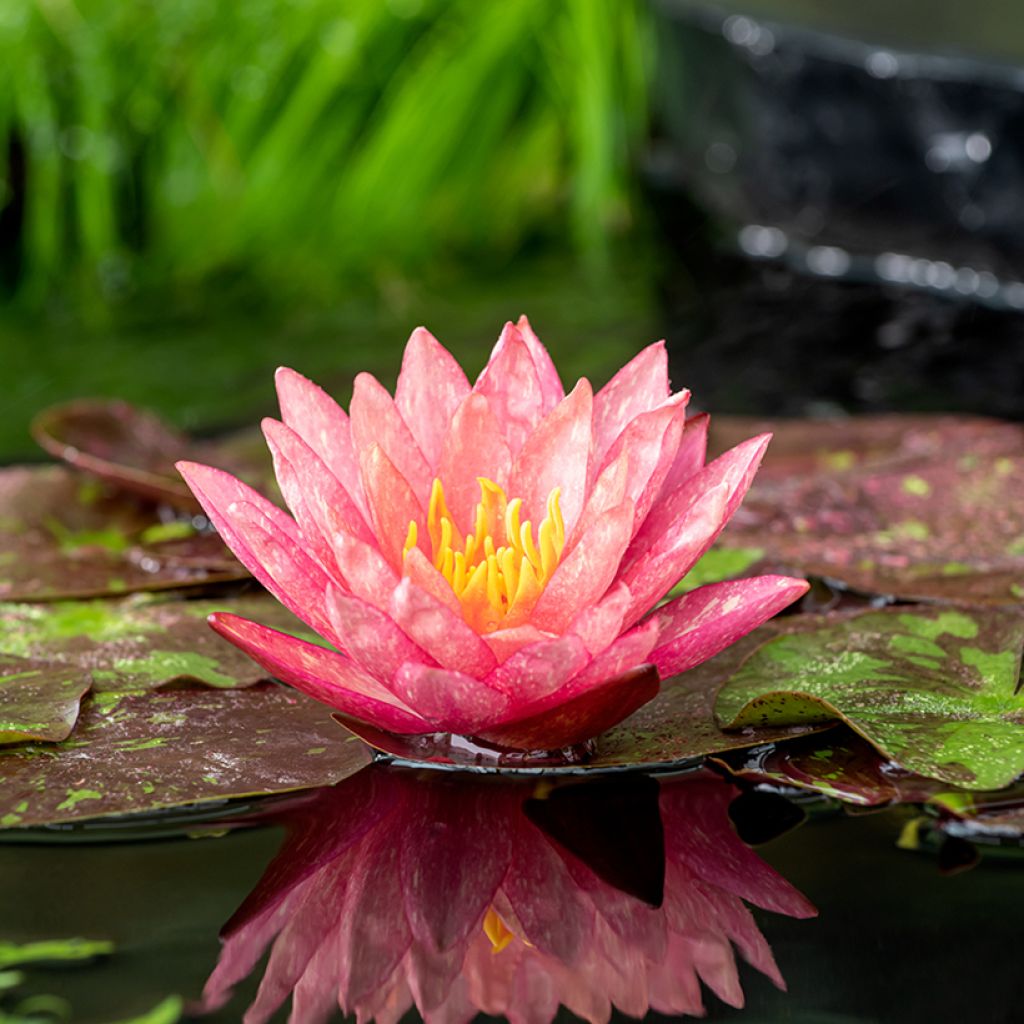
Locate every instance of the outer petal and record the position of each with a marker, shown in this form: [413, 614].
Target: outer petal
[440, 631]
[641, 385]
[376, 421]
[323, 425]
[538, 670]
[264, 539]
[630, 651]
[683, 526]
[699, 624]
[371, 638]
[474, 446]
[550, 383]
[367, 573]
[324, 675]
[587, 573]
[393, 504]
[430, 387]
[598, 624]
[320, 503]
[690, 455]
[510, 383]
[449, 701]
[557, 454]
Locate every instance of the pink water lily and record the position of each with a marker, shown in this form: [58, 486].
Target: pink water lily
[484, 558]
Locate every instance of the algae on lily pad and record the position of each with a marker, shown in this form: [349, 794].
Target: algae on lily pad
[63, 535]
[141, 642]
[935, 689]
[39, 700]
[144, 751]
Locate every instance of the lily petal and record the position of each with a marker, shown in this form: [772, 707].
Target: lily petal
[698, 625]
[641, 385]
[450, 701]
[392, 502]
[430, 387]
[550, 382]
[324, 675]
[536, 671]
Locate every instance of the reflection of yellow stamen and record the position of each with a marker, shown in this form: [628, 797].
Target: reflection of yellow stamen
[497, 931]
[498, 571]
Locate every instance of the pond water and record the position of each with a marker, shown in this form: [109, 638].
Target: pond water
[894, 940]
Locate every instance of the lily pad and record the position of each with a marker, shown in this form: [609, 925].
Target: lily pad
[934, 689]
[135, 450]
[144, 751]
[64, 536]
[680, 723]
[39, 699]
[873, 521]
[141, 643]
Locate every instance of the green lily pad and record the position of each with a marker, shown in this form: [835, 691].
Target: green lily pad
[145, 751]
[65, 536]
[39, 699]
[140, 642]
[933, 689]
[872, 522]
[680, 723]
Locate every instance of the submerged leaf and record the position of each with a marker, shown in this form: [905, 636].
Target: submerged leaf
[143, 751]
[934, 689]
[64, 536]
[141, 643]
[39, 699]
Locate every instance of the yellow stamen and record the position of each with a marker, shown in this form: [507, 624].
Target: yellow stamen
[498, 571]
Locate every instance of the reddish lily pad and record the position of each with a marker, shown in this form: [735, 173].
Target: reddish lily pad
[136, 451]
[39, 699]
[873, 522]
[145, 751]
[141, 643]
[63, 536]
[934, 689]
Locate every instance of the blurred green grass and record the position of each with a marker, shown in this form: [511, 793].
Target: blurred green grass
[303, 145]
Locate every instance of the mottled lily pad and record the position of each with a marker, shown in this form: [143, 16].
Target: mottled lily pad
[934, 689]
[937, 515]
[680, 724]
[142, 643]
[144, 751]
[64, 536]
[39, 699]
[136, 451]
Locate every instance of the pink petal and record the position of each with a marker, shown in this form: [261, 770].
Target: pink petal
[324, 675]
[550, 383]
[536, 671]
[323, 425]
[557, 454]
[689, 457]
[392, 503]
[510, 383]
[554, 722]
[449, 701]
[371, 638]
[607, 492]
[587, 573]
[505, 642]
[442, 633]
[430, 387]
[641, 385]
[366, 572]
[699, 624]
[627, 653]
[680, 528]
[651, 441]
[264, 539]
[320, 504]
[376, 421]
[597, 625]
[421, 572]
[473, 447]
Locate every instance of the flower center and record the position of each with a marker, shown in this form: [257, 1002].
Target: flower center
[497, 572]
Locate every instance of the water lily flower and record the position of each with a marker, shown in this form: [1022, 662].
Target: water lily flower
[393, 891]
[484, 559]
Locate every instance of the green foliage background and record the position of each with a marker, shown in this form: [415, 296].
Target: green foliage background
[300, 144]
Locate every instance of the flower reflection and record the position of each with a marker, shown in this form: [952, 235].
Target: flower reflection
[463, 895]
